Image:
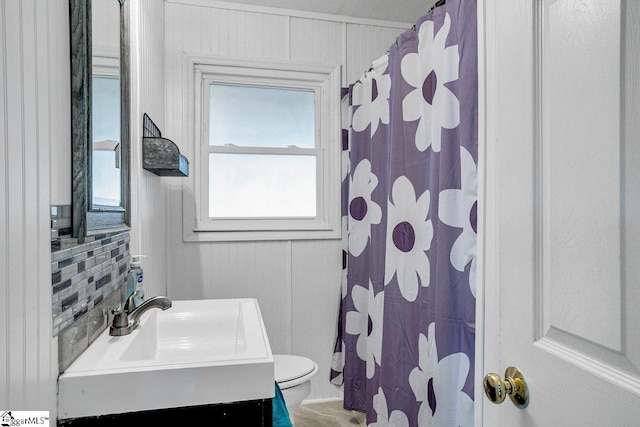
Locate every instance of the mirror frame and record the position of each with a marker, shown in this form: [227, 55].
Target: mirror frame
[86, 219]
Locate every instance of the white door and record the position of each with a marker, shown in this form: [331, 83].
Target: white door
[561, 82]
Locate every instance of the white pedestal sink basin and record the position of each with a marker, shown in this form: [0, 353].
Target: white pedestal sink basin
[197, 352]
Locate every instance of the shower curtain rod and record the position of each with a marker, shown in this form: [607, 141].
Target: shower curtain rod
[437, 4]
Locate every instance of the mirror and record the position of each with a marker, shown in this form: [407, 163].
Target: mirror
[105, 158]
[99, 115]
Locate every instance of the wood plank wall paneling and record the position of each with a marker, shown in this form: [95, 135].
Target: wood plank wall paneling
[5, 390]
[297, 283]
[364, 44]
[30, 69]
[631, 120]
[149, 219]
[315, 41]
[315, 287]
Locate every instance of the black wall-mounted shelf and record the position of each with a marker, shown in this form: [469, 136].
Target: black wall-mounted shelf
[161, 155]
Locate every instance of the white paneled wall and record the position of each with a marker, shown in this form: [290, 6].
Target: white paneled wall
[364, 45]
[34, 106]
[297, 283]
[315, 293]
[148, 191]
[316, 41]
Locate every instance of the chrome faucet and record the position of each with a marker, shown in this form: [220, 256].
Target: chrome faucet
[130, 304]
[125, 319]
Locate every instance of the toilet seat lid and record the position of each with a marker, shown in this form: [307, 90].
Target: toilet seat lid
[288, 367]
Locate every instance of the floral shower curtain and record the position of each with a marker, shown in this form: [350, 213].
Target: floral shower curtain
[405, 347]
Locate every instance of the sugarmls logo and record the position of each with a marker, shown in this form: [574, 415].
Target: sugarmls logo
[6, 418]
[24, 418]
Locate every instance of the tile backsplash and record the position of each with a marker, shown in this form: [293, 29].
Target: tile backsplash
[88, 277]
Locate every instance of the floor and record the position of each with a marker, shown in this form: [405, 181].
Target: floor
[327, 414]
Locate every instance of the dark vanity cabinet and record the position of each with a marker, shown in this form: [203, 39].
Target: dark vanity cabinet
[254, 413]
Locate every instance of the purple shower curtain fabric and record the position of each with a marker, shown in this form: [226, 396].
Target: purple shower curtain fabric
[404, 352]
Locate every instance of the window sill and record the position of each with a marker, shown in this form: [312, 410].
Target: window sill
[194, 235]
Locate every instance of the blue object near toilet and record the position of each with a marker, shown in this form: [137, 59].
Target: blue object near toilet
[279, 408]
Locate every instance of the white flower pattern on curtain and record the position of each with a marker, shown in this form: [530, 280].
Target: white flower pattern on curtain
[405, 343]
[458, 208]
[384, 419]
[409, 235]
[430, 101]
[439, 392]
[371, 94]
[366, 322]
[363, 212]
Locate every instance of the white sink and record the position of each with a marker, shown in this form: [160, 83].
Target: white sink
[197, 352]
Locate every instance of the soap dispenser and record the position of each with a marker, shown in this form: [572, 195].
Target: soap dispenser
[135, 280]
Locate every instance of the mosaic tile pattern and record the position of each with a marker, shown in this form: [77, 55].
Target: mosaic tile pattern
[88, 278]
[83, 275]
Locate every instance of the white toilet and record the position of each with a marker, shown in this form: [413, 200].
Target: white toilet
[293, 375]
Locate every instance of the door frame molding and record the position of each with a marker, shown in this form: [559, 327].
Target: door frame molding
[487, 357]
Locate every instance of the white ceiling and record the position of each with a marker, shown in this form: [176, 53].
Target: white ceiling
[389, 10]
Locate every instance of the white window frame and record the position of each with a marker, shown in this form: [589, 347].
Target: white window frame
[325, 82]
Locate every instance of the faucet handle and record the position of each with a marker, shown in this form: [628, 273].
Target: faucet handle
[120, 319]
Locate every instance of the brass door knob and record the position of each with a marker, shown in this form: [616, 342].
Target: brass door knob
[513, 385]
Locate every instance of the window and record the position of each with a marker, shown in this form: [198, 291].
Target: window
[268, 151]
[262, 152]
[106, 183]
[105, 126]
